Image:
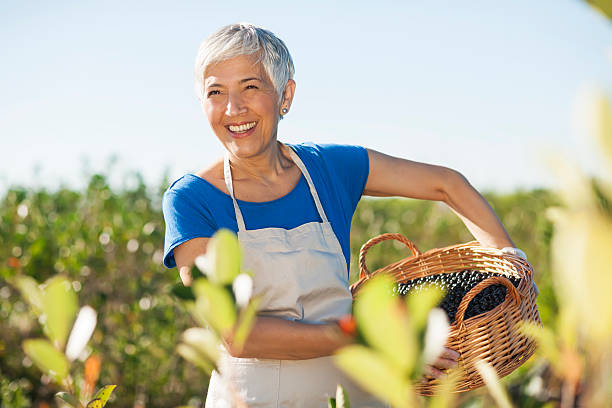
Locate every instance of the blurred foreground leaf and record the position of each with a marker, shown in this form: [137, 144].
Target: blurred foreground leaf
[215, 304]
[603, 6]
[445, 395]
[546, 340]
[224, 257]
[29, 290]
[183, 292]
[60, 307]
[582, 261]
[47, 358]
[603, 118]
[383, 321]
[375, 374]
[206, 342]
[420, 304]
[195, 357]
[247, 319]
[491, 379]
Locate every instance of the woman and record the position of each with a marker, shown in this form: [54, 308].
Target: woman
[291, 206]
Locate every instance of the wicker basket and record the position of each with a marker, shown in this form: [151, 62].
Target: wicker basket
[490, 336]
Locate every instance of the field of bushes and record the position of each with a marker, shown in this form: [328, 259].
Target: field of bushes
[108, 242]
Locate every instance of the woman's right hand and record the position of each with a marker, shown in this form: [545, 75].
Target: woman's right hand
[448, 359]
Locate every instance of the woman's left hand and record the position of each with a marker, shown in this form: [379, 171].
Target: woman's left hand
[448, 359]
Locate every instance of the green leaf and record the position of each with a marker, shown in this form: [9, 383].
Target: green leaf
[206, 342]
[60, 306]
[603, 6]
[420, 304]
[182, 292]
[69, 399]
[375, 374]
[224, 257]
[193, 356]
[491, 379]
[47, 358]
[547, 344]
[95, 403]
[445, 394]
[331, 403]
[104, 393]
[383, 322]
[28, 287]
[245, 323]
[215, 304]
[342, 399]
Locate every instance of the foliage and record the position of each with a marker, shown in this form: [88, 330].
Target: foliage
[341, 400]
[578, 351]
[55, 304]
[392, 353]
[221, 302]
[108, 243]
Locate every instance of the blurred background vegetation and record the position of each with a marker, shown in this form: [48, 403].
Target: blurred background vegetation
[109, 242]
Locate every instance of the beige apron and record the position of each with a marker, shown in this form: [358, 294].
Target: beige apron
[300, 274]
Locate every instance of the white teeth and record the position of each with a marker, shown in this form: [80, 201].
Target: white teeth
[242, 128]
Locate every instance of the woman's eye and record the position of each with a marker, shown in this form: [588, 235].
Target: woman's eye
[215, 92]
[251, 87]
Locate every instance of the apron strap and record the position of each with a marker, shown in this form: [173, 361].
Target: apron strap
[227, 174]
[313, 190]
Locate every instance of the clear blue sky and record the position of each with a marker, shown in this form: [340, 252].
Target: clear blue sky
[485, 87]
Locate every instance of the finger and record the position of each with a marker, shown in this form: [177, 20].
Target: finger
[433, 372]
[449, 354]
[444, 363]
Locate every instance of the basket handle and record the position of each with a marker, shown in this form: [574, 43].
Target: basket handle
[363, 269]
[493, 280]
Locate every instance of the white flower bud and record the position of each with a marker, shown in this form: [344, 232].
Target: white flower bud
[243, 289]
[82, 330]
[435, 335]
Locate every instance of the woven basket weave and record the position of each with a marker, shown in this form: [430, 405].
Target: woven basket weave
[490, 336]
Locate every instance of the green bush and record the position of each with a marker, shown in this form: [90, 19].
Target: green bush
[109, 243]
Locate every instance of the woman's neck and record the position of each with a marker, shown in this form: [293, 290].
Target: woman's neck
[267, 167]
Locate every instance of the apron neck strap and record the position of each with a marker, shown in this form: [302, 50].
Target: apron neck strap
[227, 174]
[313, 191]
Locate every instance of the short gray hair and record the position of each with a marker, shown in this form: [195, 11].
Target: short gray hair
[245, 39]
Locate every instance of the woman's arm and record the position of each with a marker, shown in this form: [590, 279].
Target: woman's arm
[392, 176]
[270, 337]
[281, 339]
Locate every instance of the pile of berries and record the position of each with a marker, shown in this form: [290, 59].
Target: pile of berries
[456, 285]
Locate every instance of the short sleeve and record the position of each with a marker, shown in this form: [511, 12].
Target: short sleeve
[351, 166]
[185, 219]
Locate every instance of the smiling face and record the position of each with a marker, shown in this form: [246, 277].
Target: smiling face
[242, 106]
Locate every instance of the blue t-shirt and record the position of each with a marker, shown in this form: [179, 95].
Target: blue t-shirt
[193, 207]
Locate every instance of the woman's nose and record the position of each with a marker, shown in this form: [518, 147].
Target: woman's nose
[235, 105]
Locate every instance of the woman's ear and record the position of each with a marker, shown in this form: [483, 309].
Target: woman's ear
[288, 95]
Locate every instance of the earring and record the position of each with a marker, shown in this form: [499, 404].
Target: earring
[284, 110]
